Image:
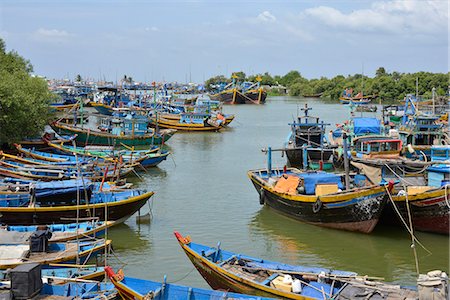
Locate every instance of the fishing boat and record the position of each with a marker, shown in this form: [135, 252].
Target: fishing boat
[356, 127]
[418, 130]
[122, 135]
[146, 158]
[47, 156]
[191, 122]
[246, 93]
[421, 133]
[320, 198]
[240, 273]
[60, 275]
[366, 108]
[118, 205]
[51, 172]
[14, 255]
[20, 234]
[358, 99]
[78, 290]
[306, 145]
[41, 142]
[173, 110]
[138, 289]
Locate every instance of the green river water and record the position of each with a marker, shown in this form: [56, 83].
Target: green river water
[203, 191]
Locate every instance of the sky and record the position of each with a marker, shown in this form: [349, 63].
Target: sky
[195, 40]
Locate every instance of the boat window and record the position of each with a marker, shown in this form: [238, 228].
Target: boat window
[393, 146]
[375, 147]
[365, 147]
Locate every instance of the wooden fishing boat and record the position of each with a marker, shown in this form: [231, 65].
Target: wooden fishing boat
[358, 99]
[306, 145]
[245, 274]
[94, 137]
[60, 275]
[78, 290]
[52, 172]
[191, 122]
[320, 198]
[177, 117]
[117, 205]
[65, 274]
[14, 255]
[41, 142]
[33, 161]
[366, 108]
[236, 96]
[427, 205]
[146, 158]
[47, 156]
[20, 234]
[139, 289]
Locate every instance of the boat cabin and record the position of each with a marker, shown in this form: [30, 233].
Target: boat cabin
[377, 147]
[193, 118]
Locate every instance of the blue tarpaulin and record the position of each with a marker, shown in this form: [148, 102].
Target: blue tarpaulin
[366, 126]
[310, 180]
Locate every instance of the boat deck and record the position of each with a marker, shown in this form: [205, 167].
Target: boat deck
[243, 272]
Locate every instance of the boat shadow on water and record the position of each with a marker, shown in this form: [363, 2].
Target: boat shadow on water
[128, 239]
[386, 252]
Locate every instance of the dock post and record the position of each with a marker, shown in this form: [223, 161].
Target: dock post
[269, 161]
[346, 166]
[305, 156]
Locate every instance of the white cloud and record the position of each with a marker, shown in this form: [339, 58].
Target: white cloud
[266, 16]
[398, 16]
[51, 33]
[153, 28]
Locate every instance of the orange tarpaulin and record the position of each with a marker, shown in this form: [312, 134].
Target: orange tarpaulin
[287, 184]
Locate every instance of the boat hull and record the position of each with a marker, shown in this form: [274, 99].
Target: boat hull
[430, 211]
[116, 211]
[236, 97]
[220, 281]
[357, 211]
[175, 124]
[85, 136]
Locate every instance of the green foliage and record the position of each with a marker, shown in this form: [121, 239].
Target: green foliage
[388, 86]
[216, 80]
[78, 78]
[240, 76]
[24, 99]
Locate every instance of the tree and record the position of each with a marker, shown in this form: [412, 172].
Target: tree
[216, 80]
[290, 78]
[78, 78]
[24, 99]
[380, 72]
[240, 76]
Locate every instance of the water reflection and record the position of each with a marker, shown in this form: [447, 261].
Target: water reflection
[384, 253]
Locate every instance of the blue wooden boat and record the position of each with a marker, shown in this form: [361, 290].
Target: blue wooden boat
[18, 191]
[20, 234]
[59, 275]
[245, 274]
[147, 158]
[34, 161]
[52, 157]
[14, 255]
[79, 291]
[50, 172]
[138, 289]
[118, 204]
